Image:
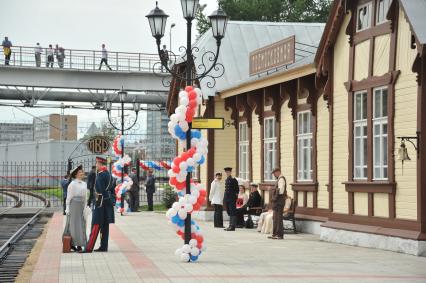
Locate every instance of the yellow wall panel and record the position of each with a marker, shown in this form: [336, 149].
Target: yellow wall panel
[340, 121]
[362, 55]
[322, 151]
[381, 205]
[224, 146]
[287, 146]
[300, 198]
[256, 149]
[310, 199]
[361, 203]
[405, 123]
[381, 54]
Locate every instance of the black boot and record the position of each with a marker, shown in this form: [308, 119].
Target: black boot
[232, 222]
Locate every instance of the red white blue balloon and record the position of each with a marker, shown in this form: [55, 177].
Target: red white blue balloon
[189, 100]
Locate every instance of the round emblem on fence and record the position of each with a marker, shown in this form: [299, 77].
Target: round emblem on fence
[98, 144]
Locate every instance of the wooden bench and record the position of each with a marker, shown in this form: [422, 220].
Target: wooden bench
[287, 216]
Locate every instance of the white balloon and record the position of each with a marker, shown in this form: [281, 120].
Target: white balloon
[193, 243]
[174, 118]
[197, 157]
[196, 193]
[180, 179]
[199, 100]
[184, 257]
[171, 212]
[195, 251]
[184, 125]
[186, 248]
[188, 207]
[182, 214]
[181, 109]
[182, 93]
[193, 199]
[178, 252]
[176, 206]
[190, 161]
[184, 100]
[183, 166]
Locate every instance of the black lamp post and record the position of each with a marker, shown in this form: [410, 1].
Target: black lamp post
[157, 21]
[136, 107]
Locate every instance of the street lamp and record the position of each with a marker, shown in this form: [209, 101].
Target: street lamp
[157, 20]
[170, 36]
[122, 94]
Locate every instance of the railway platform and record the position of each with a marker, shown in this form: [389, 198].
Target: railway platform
[142, 249]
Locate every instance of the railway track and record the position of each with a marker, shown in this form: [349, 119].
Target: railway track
[18, 233]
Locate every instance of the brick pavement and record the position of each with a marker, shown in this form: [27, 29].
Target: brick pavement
[142, 250]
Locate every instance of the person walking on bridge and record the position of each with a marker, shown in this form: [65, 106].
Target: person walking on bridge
[104, 58]
[7, 50]
[37, 53]
[49, 55]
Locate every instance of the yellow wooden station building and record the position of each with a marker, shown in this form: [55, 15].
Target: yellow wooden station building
[340, 107]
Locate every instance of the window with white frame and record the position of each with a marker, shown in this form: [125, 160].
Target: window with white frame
[304, 146]
[243, 151]
[382, 10]
[360, 135]
[380, 133]
[270, 148]
[364, 16]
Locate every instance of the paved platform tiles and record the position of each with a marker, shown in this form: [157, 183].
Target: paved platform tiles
[142, 249]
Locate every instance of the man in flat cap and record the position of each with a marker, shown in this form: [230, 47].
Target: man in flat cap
[103, 213]
[278, 195]
[230, 198]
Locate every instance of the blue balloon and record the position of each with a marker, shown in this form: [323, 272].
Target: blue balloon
[194, 258]
[195, 134]
[181, 194]
[201, 160]
[175, 219]
[192, 222]
[190, 169]
[181, 222]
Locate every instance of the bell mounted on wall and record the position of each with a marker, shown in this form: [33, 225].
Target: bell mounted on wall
[403, 152]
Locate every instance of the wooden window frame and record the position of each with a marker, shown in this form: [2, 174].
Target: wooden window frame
[247, 144]
[269, 117]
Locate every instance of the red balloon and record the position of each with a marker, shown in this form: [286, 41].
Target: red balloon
[173, 181]
[192, 151]
[175, 169]
[192, 104]
[196, 207]
[199, 246]
[193, 236]
[179, 232]
[189, 88]
[180, 186]
[200, 238]
[189, 116]
[192, 95]
[203, 193]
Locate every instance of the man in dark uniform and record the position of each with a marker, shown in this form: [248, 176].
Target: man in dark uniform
[150, 189]
[230, 198]
[134, 192]
[278, 196]
[103, 212]
[91, 185]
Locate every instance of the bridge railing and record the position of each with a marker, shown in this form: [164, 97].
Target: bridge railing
[24, 56]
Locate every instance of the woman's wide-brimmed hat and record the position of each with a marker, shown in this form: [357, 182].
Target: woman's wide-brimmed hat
[75, 170]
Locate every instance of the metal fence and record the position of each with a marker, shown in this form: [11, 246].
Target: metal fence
[24, 56]
[28, 181]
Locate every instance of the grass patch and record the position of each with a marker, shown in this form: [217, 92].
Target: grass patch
[51, 192]
[157, 207]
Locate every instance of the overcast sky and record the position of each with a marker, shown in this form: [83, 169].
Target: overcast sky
[86, 24]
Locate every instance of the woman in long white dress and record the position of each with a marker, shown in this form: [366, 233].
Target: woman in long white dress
[75, 204]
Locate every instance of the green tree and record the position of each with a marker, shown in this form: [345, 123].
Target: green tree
[203, 23]
[269, 11]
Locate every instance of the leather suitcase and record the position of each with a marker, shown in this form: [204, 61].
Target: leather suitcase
[66, 244]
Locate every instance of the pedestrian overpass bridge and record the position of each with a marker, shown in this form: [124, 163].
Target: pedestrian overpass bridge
[79, 77]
